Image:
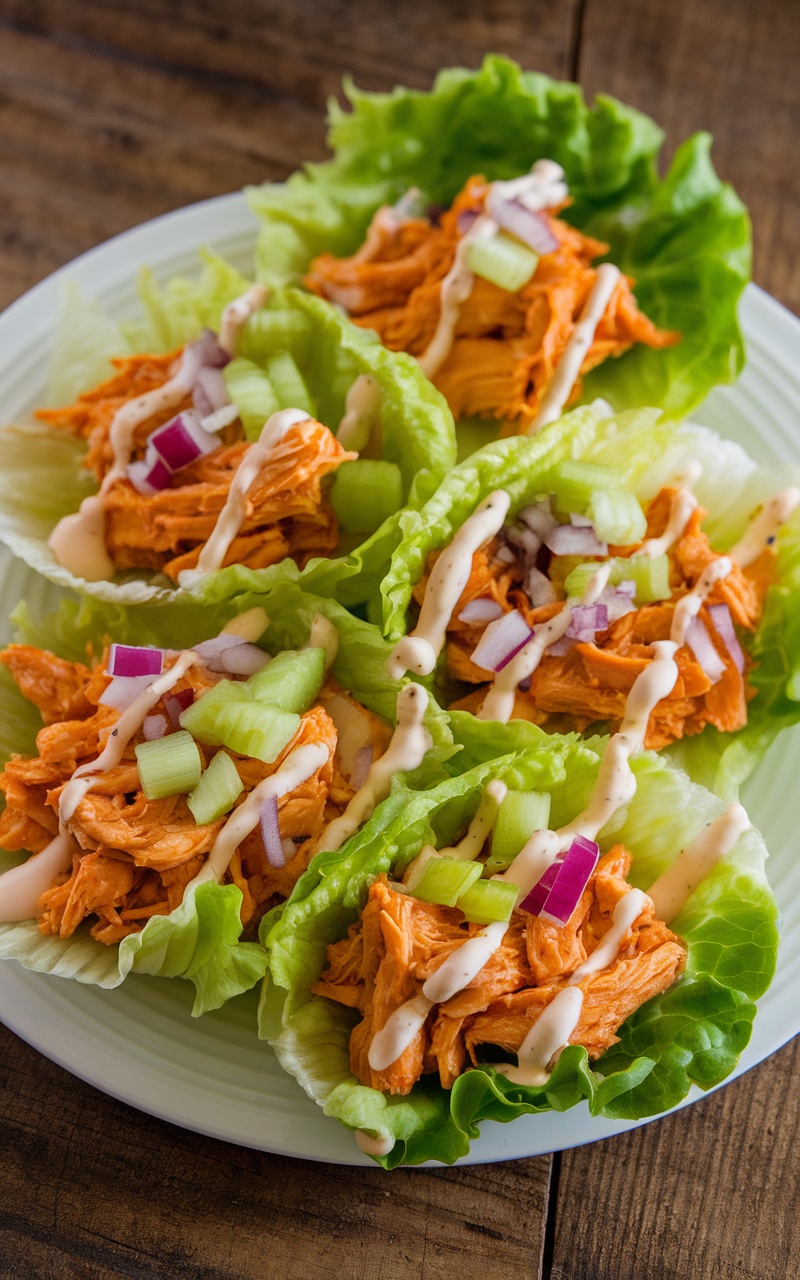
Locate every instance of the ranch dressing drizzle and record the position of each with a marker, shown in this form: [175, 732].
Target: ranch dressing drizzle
[236, 315]
[627, 910]
[550, 1032]
[408, 746]
[300, 765]
[377, 1146]
[763, 528]
[323, 635]
[419, 650]
[234, 511]
[580, 340]
[21, 887]
[250, 625]
[680, 510]
[671, 891]
[688, 607]
[361, 413]
[470, 845]
[499, 701]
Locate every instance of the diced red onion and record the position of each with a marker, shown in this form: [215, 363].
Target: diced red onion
[154, 727]
[561, 646]
[586, 619]
[573, 876]
[617, 603]
[529, 227]
[149, 476]
[524, 686]
[501, 641]
[628, 588]
[539, 587]
[211, 651]
[135, 660]
[244, 659]
[519, 535]
[535, 900]
[361, 766]
[124, 690]
[505, 555]
[212, 355]
[176, 703]
[220, 419]
[182, 440]
[465, 220]
[723, 625]
[569, 540]
[482, 610]
[580, 522]
[539, 518]
[702, 646]
[210, 392]
[271, 833]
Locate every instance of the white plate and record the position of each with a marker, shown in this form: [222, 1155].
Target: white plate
[139, 1043]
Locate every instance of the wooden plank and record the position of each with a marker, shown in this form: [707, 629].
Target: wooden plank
[91, 1188]
[729, 66]
[709, 1192]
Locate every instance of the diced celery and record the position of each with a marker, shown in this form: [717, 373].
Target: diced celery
[217, 791]
[169, 766]
[617, 516]
[251, 390]
[502, 260]
[520, 814]
[201, 717]
[577, 581]
[488, 901]
[650, 573]
[572, 485]
[291, 681]
[289, 384]
[561, 567]
[365, 493]
[256, 730]
[445, 879]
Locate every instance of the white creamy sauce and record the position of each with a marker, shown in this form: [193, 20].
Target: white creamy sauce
[250, 625]
[323, 635]
[763, 528]
[688, 607]
[398, 1031]
[234, 511]
[580, 340]
[549, 1034]
[406, 751]
[651, 685]
[380, 1145]
[361, 413]
[626, 912]
[672, 890]
[419, 650]
[543, 188]
[470, 844]
[236, 315]
[455, 289]
[300, 765]
[680, 511]
[22, 886]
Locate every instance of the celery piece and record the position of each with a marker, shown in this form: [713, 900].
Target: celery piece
[617, 516]
[251, 390]
[502, 260]
[572, 485]
[578, 579]
[168, 766]
[650, 573]
[445, 879]
[488, 901]
[561, 568]
[520, 814]
[201, 717]
[289, 384]
[291, 681]
[365, 493]
[254, 729]
[217, 791]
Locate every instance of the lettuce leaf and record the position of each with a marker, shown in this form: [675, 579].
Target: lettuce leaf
[685, 239]
[693, 1033]
[41, 478]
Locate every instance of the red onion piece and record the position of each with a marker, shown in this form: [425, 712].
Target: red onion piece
[529, 227]
[519, 535]
[211, 651]
[133, 660]
[505, 555]
[271, 833]
[244, 659]
[573, 875]
[538, 895]
[723, 625]
[617, 603]
[628, 588]
[560, 647]
[176, 703]
[182, 440]
[465, 220]
[501, 641]
[220, 419]
[149, 476]
[539, 518]
[569, 540]
[210, 392]
[580, 522]
[586, 619]
[361, 766]
[702, 646]
[482, 610]
[539, 587]
[123, 690]
[212, 355]
[154, 727]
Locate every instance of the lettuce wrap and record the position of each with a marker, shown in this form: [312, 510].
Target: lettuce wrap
[691, 1033]
[295, 349]
[683, 239]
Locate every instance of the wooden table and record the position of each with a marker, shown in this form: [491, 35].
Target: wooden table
[111, 113]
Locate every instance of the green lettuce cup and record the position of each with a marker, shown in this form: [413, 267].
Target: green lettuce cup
[683, 239]
[293, 352]
[691, 1033]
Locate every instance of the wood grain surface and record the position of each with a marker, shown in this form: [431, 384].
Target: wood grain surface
[111, 113]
